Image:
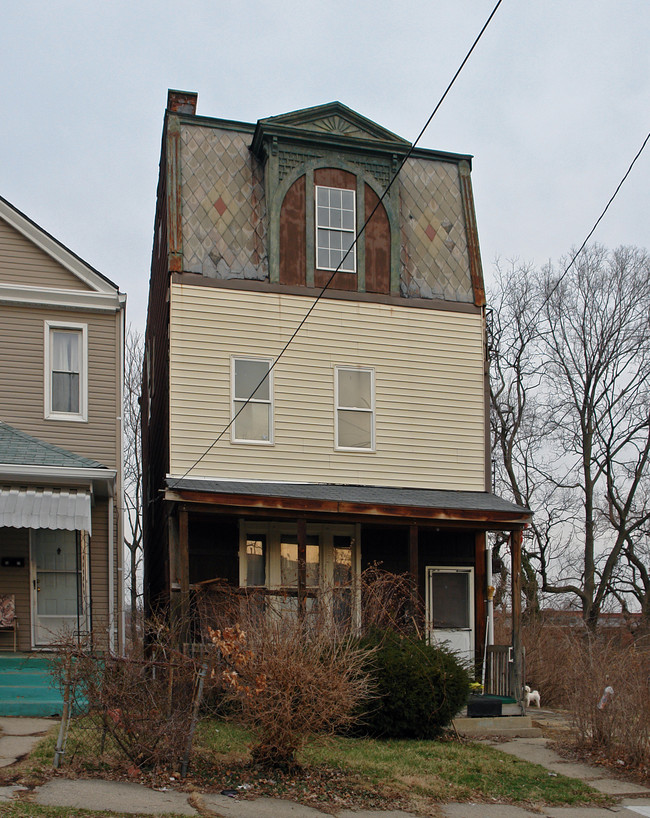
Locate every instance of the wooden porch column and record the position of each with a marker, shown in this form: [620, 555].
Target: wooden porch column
[480, 593]
[184, 567]
[515, 568]
[414, 570]
[302, 565]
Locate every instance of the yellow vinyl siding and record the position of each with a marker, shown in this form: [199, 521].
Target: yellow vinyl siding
[22, 334]
[429, 389]
[23, 263]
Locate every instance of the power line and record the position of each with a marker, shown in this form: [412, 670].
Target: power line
[351, 249]
[591, 232]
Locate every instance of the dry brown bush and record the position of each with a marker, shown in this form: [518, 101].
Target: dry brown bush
[571, 667]
[136, 709]
[289, 678]
[617, 726]
[292, 677]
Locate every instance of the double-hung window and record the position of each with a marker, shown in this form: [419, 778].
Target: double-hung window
[335, 229]
[252, 381]
[355, 408]
[66, 361]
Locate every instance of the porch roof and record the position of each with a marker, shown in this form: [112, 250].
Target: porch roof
[478, 507]
[67, 509]
[19, 448]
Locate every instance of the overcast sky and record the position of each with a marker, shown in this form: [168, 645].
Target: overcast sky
[554, 104]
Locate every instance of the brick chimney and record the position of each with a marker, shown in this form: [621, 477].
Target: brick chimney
[182, 102]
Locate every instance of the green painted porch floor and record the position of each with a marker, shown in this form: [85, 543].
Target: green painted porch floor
[26, 686]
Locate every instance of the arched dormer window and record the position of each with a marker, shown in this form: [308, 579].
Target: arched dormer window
[321, 212]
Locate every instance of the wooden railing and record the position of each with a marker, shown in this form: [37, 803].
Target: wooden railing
[499, 672]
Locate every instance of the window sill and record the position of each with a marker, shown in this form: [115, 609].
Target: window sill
[67, 418]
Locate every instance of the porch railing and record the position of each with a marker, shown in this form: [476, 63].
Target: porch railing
[499, 679]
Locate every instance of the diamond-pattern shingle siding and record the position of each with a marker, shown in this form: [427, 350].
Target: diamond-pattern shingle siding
[223, 205]
[434, 256]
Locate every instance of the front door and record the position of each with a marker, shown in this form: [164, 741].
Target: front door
[57, 587]
[450, 609]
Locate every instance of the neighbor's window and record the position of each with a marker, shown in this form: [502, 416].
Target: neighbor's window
[289, 560]
[65, 371]
[335, 229]
[256, 561]
[355, 408]
[252, 380]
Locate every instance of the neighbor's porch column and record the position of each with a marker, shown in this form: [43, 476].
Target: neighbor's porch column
[480, 595]
[515, 571]
[302, 565]
[184, 567]
[414, 570]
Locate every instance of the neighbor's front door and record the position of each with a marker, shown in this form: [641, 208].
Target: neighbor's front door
[56, 585]
[450, 609]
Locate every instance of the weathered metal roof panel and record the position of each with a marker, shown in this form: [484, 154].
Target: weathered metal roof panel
[58, 509]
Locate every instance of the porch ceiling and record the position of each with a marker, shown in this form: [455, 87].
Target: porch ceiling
[478, 508]
[22, 507]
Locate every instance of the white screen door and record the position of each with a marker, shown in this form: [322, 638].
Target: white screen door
[450, 609]
[57, 586]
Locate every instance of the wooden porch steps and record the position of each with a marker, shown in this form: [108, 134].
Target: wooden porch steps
[505, 726]
[26, 686]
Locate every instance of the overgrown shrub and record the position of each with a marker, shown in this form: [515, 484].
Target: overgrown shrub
[616, 723]
[572, 667]
[290, 678]
[134, 710]
[418, 688]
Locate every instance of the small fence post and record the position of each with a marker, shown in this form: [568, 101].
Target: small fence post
[195, 717]
[65, 716]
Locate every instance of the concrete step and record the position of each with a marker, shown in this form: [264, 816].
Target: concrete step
[507, 726]
[29, 691]
[27, 687]
[42, 708]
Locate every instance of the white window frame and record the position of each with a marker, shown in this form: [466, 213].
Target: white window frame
[82, 329]
[273, 569]
[370, 411]
[234, 398]
[352, 231]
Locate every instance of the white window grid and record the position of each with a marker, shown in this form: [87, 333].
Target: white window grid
[361, 409]
[335, 229]
[81, 330]
[237, 400]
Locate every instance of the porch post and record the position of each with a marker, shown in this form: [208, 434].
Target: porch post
[184, 567]
[302, 565]
[414, 570]
[515, 568]
[480, 595]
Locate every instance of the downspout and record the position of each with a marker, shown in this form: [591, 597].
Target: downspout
[490, 594]
[120, 487]
[111, 577]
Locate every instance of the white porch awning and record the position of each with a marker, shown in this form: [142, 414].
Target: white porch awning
[67, 509]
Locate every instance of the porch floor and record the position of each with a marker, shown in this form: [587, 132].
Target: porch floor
[27, 687]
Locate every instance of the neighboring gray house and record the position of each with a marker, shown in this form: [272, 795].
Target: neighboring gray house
[62, 329]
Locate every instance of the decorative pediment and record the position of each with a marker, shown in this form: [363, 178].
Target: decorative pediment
[332, 123]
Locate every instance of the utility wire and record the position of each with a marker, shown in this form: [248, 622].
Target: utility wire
[590, 234]
[352, 247]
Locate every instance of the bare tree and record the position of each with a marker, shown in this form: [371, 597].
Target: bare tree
[517, 418]
[570, 417]
[133, 354]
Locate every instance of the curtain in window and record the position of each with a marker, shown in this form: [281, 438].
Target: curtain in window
[65, 371]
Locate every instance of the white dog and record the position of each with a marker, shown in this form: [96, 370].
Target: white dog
[532, 696]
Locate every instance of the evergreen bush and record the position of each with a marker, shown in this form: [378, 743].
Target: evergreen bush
[418, 688]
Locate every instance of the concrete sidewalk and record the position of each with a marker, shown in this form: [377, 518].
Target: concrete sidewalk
[19, 735]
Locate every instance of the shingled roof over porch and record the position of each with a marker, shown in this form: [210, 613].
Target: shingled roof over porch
[426, 504]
